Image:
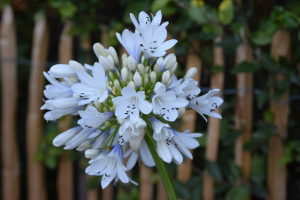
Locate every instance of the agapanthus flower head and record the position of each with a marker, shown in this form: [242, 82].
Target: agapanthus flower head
[120, 101]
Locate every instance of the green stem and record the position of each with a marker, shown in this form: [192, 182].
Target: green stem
[161, 167]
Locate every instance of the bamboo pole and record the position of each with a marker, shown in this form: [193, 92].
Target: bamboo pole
[189, 118]
[10, 155]
[281, 46]
[146, 188]
[217, 81]
[35, 171]
[65, 166]
[243, 112]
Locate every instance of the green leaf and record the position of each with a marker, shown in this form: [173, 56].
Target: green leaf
[246, 67]
[217, 69]
[261, 98]
[238, 193]
[261, 37]
[158, 5]
[214, 170]
[226, 11]
[280, 88]
[258, 169]
[197, 14]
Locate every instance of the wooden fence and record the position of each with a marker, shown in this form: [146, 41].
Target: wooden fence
[65, 180]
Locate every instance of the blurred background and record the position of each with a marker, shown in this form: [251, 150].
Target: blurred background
[247, 48]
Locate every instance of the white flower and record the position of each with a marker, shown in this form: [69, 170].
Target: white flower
[64, 137]
[161, 130]
[124, 74]
[152, 41]
[207, 104]
[130, 46]
[130, 103]
[129, 129]
[92, 88]
[164, 102]
[144, 20]
[144, 153]
[91, 118]
[80, 138]
[56, 113]
[185, 141]
[187, 89]
[110, 167]
[57, 89]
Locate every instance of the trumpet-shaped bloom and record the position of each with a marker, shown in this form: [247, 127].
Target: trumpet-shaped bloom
[109, 167]
[185, 141]
[131, 47]
[207, 104]
[164, 102]
[129, 129]
[130, 103]
[144, 153]
[91, 118]
[92, 88]
[57, 89]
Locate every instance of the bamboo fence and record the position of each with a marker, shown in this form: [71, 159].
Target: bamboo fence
[36, 179]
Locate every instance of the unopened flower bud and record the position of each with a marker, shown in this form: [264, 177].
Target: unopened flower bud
[137, 79]
[131, 62]
[169, 82]
[146, 69]
[181, 112]
[91, 153]
[142, 59]
[114, 55]
[99, 50]
[169, 61]
[129, 76]
[124, 74]
[146, 81]
[85, 145]
[97, 104]
[124, 56]
[173, 69]
[165, 77]
[153, 77]
[110, 58]
[114, 90]
[106, 63]
[124, 60]
[76, 65]
[121, 120]
[141, 69]
[105, 109]
[107, 123]
[131, 84]
[111, 75]
[190, 74]
[117, 84]
[110, 83]
[156, 68]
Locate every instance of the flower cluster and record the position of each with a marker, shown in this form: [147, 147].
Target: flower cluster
[118, 101]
